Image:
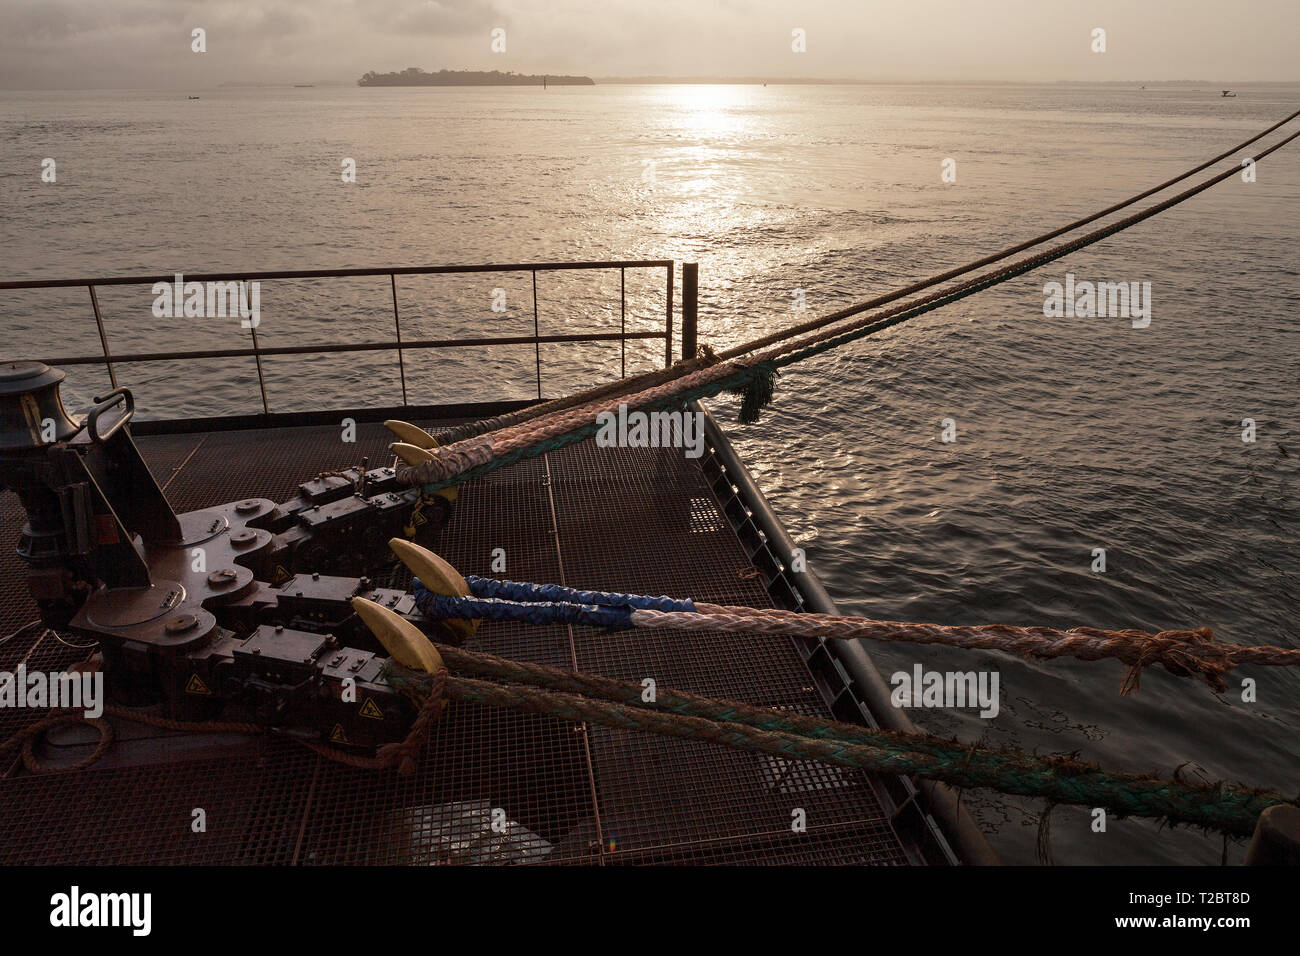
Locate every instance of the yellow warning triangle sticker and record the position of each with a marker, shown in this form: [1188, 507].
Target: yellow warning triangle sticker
[371, 709]
[196, 686]
[337, 736]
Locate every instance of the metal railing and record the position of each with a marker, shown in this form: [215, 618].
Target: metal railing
[258, 352]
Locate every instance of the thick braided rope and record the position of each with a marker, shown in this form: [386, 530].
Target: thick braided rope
[560, 441]
[523, 591]
[1185, 653]
[821, 321]
[1088, 643]
[690, 363]
[622, 386]
[480, 664]
[24, 740]
[439, 606]
[452, 461]
[1061, 780]
[821, 341]
[184, 726]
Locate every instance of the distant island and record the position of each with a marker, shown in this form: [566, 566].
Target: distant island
[414, 76]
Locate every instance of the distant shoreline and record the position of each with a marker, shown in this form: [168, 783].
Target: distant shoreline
[414, 76]
[1209, 85]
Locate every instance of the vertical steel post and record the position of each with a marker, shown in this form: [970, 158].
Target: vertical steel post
[668, 316]
[261, 379]
[690, 309]
[622, 319]
[537, 345]
[103, 339]
[397, 324]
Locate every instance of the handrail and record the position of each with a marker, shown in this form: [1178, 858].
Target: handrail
[400, 345]
[346, 347]
[340, 273]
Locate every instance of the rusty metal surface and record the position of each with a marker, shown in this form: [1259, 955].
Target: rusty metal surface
[599, 518]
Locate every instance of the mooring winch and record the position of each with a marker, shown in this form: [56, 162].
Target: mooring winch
[240, 611]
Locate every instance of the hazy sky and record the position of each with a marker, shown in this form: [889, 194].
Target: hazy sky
[146, 43]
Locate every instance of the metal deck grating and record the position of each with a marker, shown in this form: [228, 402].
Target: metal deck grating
[143, 814]
[599, 518]
[39, 651]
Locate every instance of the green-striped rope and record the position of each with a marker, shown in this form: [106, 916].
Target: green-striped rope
[619, 704]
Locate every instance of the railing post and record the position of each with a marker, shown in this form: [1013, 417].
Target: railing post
[103, 339]
[537, 345]
[261, 379]
[668, 316]
[397, 324]
[690, 309]
[622, 319]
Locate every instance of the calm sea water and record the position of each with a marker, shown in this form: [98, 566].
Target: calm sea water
[1072, 434]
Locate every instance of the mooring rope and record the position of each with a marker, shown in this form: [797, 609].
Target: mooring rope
[845, 313]
[1184, 653]
[618, 704]
[24, 740]
[692, 363]
[558, 593]
[459, 460]
[621, 386]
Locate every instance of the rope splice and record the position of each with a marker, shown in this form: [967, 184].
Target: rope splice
[1185, 653]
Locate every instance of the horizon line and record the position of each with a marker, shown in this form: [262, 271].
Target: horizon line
[680, 80]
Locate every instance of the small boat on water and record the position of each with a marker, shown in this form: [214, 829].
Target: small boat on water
[1229, 93]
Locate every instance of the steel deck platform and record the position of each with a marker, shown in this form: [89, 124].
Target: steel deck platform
[649, 521]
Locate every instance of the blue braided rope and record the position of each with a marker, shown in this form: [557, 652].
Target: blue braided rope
[440, 606]
[520, 591]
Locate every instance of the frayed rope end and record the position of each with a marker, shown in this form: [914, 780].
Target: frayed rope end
[757, 393]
